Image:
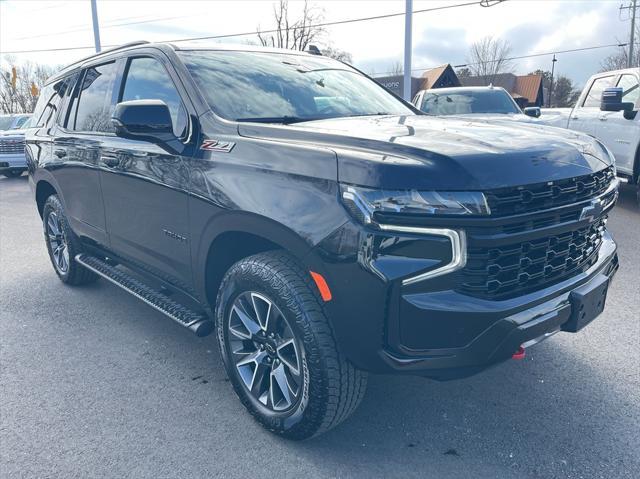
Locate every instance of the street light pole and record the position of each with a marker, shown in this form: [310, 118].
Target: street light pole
[96, 27]
[406, 91]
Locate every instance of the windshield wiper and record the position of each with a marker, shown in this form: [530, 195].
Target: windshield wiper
[277, 119]
[287, 120]
[380, 113]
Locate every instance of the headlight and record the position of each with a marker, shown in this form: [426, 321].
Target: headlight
[364, 202]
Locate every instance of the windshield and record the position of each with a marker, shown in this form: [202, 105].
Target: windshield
[468, 102]
[6, 122]
[21, 121]
[27, 123]
[281, 88]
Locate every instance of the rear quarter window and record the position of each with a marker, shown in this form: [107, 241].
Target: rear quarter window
[49, 102]
[630, 88]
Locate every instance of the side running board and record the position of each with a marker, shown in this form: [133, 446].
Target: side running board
[198, 323]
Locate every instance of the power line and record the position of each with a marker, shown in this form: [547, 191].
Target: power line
[108, 25]
[544, 54]
[340, 22]
[483, 3]
[522, 56]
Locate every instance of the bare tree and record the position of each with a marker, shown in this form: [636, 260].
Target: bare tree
[489, 57]
[396, 68]
[337, 54]
[22, 96]
[294, 35]
[463, 72]
[619, 60]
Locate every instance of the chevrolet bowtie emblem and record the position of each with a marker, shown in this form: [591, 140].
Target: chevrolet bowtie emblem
[592, 210]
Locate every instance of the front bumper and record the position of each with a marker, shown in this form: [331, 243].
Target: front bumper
[431, 328]
[502, 326]
[15, 162]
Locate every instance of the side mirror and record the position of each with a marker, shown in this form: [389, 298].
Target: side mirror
[533, 111]
[146, 120]
[611, 100]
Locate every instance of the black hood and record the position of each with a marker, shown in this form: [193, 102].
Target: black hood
[445, 153]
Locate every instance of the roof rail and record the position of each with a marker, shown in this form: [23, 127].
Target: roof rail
[96, 55]
[124, 45]
[109, 50]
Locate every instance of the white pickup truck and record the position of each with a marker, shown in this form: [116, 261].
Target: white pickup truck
[618, 130]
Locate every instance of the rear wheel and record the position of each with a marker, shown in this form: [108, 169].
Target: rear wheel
[279, 351]
[63, 245]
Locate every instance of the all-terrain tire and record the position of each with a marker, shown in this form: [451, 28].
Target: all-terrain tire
[333, 387]
[75, 274]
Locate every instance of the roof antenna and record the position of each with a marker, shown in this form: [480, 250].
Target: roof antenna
[314, 50]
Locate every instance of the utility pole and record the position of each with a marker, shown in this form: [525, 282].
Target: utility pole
[553, 68]
[633, 31]
[632, 9]
[96, 27]
[406, 91]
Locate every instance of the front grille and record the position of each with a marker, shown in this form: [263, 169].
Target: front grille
[11, 146]
[542, 196]
[514, 269]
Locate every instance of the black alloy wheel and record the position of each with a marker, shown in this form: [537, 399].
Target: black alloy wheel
[265, 351]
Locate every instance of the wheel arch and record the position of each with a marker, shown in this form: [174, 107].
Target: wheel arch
[44, 190]
[233, 237]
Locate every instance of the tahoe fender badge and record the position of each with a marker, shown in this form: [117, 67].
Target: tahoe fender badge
[215, 145]
[175, 236]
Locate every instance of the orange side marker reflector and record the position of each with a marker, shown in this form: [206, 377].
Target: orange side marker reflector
[322, 285]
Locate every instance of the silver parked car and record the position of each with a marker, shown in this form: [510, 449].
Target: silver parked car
[485, 101]
[12, 159]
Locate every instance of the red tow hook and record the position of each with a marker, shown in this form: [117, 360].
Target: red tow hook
[519, 354]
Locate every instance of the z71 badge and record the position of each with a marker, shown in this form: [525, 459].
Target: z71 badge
[215, 145]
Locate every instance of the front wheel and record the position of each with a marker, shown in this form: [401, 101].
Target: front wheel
[13, 173]
[279, 351]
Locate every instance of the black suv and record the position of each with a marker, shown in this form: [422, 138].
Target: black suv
[321, 226]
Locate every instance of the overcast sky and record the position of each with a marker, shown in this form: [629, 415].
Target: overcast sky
[530, 26]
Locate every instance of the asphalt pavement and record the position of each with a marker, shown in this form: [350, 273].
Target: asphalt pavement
[94, 383]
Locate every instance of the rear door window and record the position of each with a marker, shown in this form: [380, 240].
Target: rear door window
[93, 107]
[630, 88]
[147, 79]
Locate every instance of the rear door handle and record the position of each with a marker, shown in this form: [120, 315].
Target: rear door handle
[60, 153]
[603, 118]
[110, 161]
